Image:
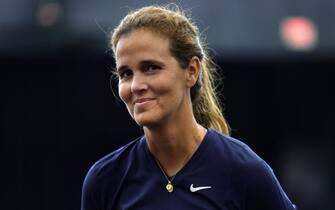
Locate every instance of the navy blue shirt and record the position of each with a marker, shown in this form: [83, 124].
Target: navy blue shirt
[233, 177]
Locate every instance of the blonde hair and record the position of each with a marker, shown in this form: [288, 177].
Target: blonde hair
[185, 43]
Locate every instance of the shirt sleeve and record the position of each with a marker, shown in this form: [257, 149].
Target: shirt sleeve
[263, 191]
[90, 196]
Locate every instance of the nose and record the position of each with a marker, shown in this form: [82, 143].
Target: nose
[139, 84]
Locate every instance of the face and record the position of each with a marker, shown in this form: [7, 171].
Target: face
[151, 83]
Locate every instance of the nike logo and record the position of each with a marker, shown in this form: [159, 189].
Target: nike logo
[195, 189]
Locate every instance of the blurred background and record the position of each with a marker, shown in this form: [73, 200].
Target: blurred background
[58, 114]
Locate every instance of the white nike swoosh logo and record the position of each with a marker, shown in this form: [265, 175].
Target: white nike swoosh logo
[195, 189]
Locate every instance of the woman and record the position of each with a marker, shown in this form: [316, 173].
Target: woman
[186, 159]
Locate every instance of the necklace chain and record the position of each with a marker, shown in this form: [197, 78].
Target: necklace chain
[169, 185]
[165, 175]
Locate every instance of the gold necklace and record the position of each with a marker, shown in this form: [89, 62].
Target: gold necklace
[169, 186]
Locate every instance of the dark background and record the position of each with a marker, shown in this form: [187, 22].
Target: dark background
[58, 114]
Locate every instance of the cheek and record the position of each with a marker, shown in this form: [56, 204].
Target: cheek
[124, 92]
[172, 92]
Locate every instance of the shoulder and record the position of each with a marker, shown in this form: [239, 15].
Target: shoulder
[251, 174]
[233, 150]
[108, 171]
[241, 158]
[114, 159]
[112, 165]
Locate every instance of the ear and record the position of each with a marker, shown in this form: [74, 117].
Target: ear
[193, 71]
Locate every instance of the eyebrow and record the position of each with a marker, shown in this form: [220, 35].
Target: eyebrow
[142, 63]
[151, 61]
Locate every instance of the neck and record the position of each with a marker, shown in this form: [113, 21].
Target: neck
[174, 144]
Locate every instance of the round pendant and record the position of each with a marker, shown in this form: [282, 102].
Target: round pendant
[169, 187]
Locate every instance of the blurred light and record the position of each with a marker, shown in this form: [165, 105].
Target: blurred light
[298, 33]
[48, 14]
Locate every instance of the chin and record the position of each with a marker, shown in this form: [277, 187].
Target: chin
[146, 120]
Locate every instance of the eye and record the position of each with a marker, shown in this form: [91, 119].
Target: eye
[124, 74]
[152, 67]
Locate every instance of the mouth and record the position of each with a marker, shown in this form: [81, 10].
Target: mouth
[142, 100]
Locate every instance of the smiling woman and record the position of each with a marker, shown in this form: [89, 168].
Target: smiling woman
[155, 88]
[186, 158]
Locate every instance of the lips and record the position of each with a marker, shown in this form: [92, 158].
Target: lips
[143, 104]
[142, 100]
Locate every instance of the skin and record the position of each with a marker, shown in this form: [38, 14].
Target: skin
[156, 91]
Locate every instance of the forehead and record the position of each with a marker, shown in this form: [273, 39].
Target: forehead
[141, 44]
